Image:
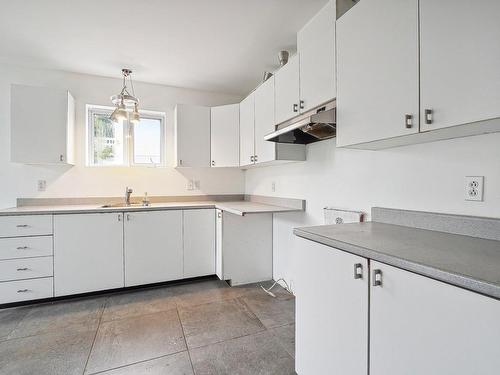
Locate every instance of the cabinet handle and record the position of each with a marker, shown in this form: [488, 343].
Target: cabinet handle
[119, 217]
[128, 217]
[252, 158]
[23, 290]
[180, 162]
[22, 247]
[219, 214]
[377, 278]
[23, 269]
[358, 271]
[22, 225]
[255, 158]
[428, 116]
[301, 106]
[213, 163]
[295, 107]
[408, 121]
[61, 157]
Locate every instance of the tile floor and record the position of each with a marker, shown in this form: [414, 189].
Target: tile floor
[202, 327]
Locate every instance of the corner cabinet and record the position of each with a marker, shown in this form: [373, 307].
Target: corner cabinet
[387, 321]
[42, 125]
[225, 135]
[192, 136]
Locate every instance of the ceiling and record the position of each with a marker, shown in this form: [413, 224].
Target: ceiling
[216, 45]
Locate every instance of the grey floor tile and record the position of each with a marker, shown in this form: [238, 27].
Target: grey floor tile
[9, 320]
[70, 316]
[257, 354]
[126, 341]
[214, 322]
[140, 302]
[272, 312]
[48, 354]
[286, 337]
[174, 364]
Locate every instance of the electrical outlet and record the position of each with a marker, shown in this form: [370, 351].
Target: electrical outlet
[190, 185]
[196, 184]
[41, 185]
[474, 188]
[273, 186]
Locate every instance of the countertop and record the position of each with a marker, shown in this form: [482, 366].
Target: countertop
[238, 208]
[468, 262]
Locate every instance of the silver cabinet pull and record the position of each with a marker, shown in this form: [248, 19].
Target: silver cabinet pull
[408, 121]
[219, 214]
[22, 225]
[295, 107]
[23, 269]
[119, 217]
[61, 157]
[255, 158]
[128, 217]
[358, 271]
[377, 278]
[22, 247]
[252, 158]
[180, 162]
[301, 106]
[428, 116]
[213, 163]
[23, 290]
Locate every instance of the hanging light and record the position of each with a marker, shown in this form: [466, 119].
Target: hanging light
[125, 102]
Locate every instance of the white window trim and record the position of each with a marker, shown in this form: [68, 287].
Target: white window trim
[128, 129]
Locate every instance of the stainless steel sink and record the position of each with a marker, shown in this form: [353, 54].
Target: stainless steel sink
[118, 205]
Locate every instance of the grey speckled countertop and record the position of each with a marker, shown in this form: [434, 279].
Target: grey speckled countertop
[468, 262]
[238, 208]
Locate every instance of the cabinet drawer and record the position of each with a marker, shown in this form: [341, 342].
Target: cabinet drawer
[25, 225]
[25, 247]
[29, 268]
[25, 290]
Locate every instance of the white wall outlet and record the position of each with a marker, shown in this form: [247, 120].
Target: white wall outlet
[190, 185]
[273, 186]
[196, 184]
[41, 185]
[474, 188]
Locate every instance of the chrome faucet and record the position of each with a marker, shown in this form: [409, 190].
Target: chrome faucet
[128, 192]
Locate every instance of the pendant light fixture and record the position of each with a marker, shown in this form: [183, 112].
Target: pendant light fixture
[126, 103]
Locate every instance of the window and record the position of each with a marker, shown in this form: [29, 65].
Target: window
[124, 144]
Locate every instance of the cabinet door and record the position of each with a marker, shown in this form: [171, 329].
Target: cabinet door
[287, 90]
[316, 46]
[88, 252]
[459, 61]
[153, 247]
[331, 311]
[199, 242]
[41, 125]
[422, 326]
[218, 249]
[264, 122]
[225, 135]
[247, 130]
[377, 71]
[192, 136]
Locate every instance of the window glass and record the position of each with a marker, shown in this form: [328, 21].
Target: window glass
[147, 141]
[107, 141]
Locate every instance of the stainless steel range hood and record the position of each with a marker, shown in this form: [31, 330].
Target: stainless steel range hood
[312, 126]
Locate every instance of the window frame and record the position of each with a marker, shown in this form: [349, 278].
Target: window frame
[128, 136]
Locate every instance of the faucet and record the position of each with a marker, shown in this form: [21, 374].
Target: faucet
[128, 192]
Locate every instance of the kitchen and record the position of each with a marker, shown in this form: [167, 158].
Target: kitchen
[173, 282]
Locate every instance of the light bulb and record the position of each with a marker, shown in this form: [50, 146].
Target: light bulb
[134, 116]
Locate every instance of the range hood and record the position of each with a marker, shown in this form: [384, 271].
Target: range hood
[312, 126]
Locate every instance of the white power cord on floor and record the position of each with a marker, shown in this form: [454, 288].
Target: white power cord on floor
[268, 291]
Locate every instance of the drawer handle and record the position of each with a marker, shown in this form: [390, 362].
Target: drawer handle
[358, 271]
[23, 290]
[23, 269]
[377, 278]
[22, 247]
[22, 225]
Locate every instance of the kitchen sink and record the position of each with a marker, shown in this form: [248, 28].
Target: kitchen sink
[112, 205]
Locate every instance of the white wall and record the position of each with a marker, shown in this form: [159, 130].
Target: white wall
[18, 180]
[422, 177]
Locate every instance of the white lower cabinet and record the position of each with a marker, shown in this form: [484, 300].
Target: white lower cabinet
[422, 326]
[88, 252]
[199, 242]
[331, 311]
[153, 247]
[26, 290]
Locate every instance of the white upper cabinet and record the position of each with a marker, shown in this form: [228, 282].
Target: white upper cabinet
[265, 151]
[88, 253]
[459, 61]
[42, 125]
[377, 71]
[199, 242]
[192, 136]
[225, 133]
[287, 91]
[153, 247]
[422, 326]
[247, 130]
[316, 47]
